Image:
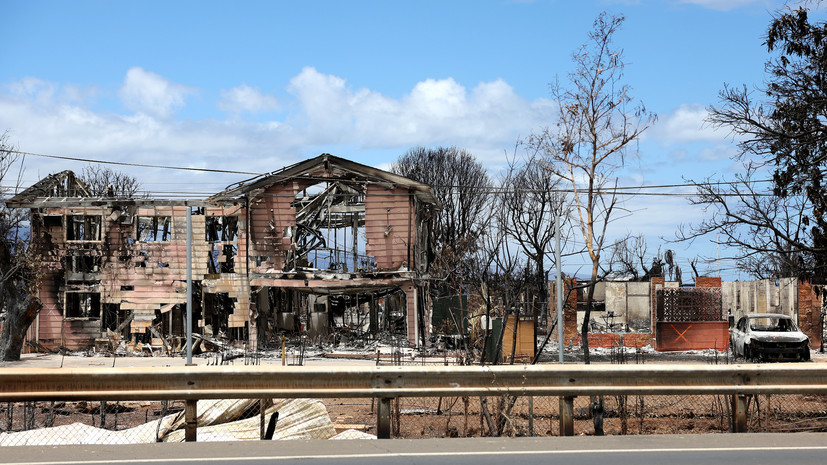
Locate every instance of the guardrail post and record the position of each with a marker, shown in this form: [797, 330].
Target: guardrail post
[262, 403]
[383, 418]
[191, 418]
[567, 416]
[739, 409]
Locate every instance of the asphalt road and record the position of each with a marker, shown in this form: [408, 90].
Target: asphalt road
[730, 449]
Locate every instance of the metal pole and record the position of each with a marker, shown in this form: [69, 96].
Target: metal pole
[189, 285]
[560, 329]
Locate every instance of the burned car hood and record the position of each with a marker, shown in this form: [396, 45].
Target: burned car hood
[772, 336]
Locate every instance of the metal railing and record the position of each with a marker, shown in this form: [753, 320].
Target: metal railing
[387, 383]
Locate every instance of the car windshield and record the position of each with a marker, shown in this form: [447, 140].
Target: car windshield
[771, 324]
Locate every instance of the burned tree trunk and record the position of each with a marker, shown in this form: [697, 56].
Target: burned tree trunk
[19, 316]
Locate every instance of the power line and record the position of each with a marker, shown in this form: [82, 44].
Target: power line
[486, 189]
[141, 165]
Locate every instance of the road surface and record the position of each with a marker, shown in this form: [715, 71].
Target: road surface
[730, 449]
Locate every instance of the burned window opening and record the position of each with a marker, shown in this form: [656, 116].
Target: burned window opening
[53, 221]
[221, 228]
[154, 228]
[114, 319]
[83, 263]
[141, 258]
[221, 259]
[329, 232]
[82, 305]
[83, 228]
[217, 310]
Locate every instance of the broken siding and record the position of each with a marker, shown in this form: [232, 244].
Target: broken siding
[54, 329]
[141, 277]
[236, 284]
[272, 214]
[389, 223]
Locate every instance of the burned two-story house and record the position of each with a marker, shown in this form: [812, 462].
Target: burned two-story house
[320, 247]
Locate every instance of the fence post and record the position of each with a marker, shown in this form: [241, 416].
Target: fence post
[567, 416]
[383, 418]
[739, 413]
[191, 417]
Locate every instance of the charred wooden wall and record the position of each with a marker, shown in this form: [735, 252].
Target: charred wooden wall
[390, 227]
[145, 278]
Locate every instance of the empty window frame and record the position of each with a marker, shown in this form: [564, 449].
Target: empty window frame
[82, 305]
[83, 263]
[221, 228]
[83, 228]
[221, 259]
[53, 221]
[154, 228]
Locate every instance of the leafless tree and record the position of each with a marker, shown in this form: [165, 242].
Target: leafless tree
[768, 232]
[19, 266]
[496, 276]
[532, 200]
[629, 258]
[103, 181]
[462, 186]
[597, 124]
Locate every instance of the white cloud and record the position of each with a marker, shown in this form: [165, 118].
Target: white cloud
[718, 152]
[686, 124]
[324, 114]
[33, 88]
[436, 111]
[245, 98]
[726, 5]
[146, 92]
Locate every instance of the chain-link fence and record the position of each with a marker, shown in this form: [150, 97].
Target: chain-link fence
[129, 422]
[433, 417]
[134, 422]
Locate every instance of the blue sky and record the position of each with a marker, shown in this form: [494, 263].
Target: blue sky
[254, 86]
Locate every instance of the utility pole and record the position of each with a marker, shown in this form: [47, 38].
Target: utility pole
[189, 285]
[559, 287]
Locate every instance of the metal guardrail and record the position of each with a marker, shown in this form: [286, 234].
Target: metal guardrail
[386, 383]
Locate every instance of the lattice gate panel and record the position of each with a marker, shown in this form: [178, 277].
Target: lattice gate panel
[689, 304]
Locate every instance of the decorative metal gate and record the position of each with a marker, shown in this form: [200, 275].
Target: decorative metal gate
[690, 318]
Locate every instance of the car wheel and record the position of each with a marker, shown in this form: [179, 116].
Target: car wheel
[805, 354]
[747, 353]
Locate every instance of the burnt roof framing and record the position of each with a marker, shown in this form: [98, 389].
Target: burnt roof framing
[321, 168]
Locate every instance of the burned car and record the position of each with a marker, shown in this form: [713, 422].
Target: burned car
[768, 336]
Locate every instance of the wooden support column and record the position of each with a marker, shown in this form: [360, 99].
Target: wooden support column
[191, 418]
[383, 418]
[567, 416]
[412, 320]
